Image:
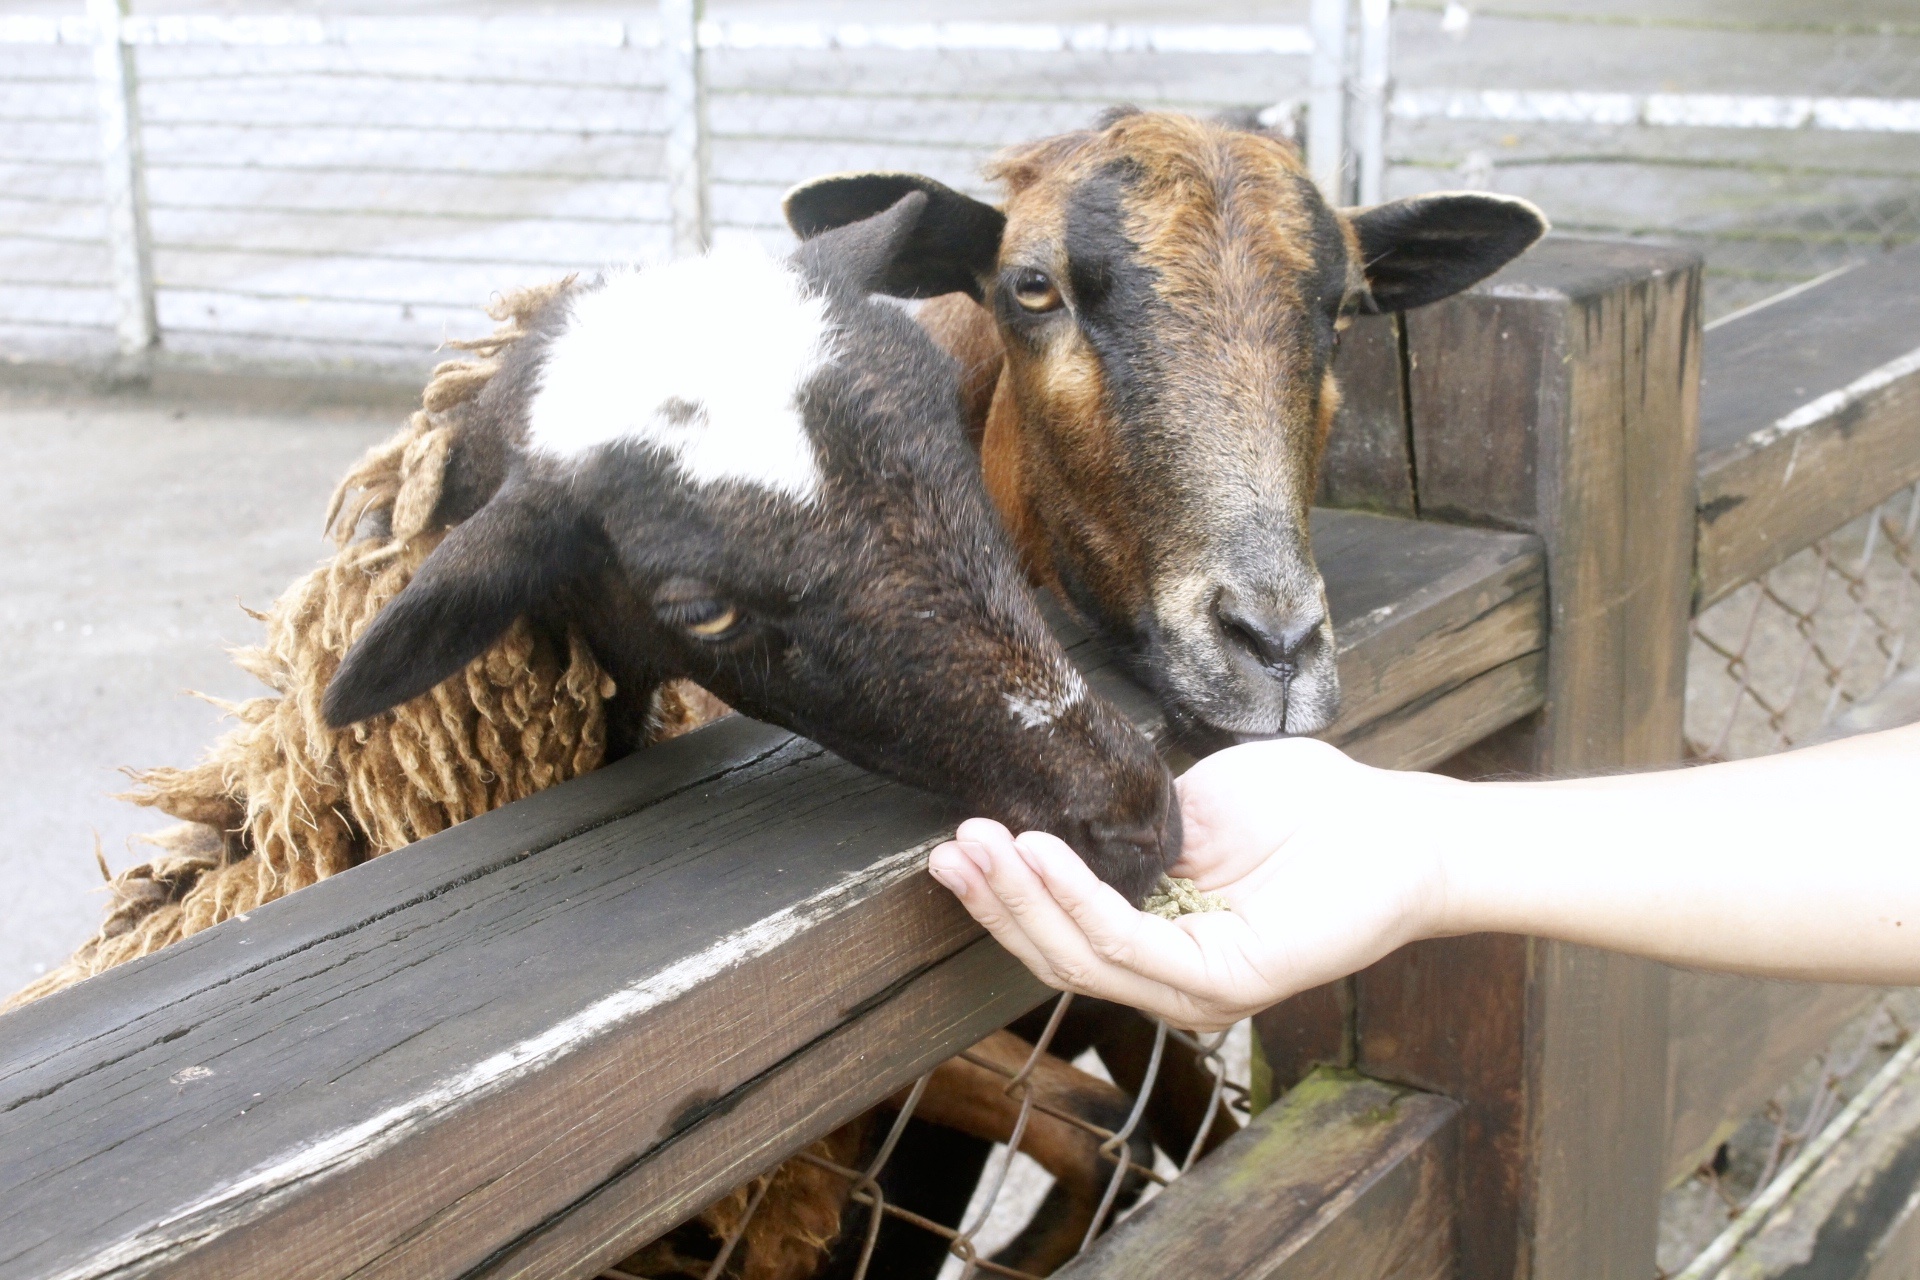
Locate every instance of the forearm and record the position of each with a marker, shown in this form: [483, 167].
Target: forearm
[1805, 865]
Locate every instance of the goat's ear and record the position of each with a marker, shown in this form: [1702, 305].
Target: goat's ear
[508, 558]
[1426, 248]
[949, 244]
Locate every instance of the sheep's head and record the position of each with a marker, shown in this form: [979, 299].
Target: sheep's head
[750, 474]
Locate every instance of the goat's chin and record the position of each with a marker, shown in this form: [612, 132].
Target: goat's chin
[1307, 704]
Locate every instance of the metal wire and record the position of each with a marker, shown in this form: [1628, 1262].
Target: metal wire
[996, 1213]
[1782, 657]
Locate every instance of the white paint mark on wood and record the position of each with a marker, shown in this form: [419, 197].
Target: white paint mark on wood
[254, 1193]
[1826, 406]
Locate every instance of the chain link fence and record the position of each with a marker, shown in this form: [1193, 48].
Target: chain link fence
[1781, 657]
[1013, 1190]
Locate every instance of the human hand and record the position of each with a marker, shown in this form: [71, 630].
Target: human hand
[1315, 854]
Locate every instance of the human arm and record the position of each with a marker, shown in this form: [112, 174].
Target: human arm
[1802, 865]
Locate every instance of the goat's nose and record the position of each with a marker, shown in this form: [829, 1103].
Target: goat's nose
[1273, 637]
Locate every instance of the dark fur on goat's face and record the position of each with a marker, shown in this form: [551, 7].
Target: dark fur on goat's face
[815, 547]
[1167, 293]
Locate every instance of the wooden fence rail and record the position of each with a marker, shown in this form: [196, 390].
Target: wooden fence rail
[529, 1044]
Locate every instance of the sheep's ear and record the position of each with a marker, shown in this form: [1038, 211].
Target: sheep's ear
[950, 243]
[1426, 248]
[504, 561]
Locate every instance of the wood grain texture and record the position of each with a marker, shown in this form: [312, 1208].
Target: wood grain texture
[1559, 397]
[1309, 1030]
[1734, 1041]
[1344, 1178]
[1810, 414]
[1850, 1218]
[1368, 463]
[523, 1043]
[437, 1072]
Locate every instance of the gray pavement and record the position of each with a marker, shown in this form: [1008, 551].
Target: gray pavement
[133, 529]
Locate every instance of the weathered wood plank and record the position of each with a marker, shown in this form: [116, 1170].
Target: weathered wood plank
[1559, 397]
[497, 1049]
[1810, 415]
[1419, 609]
[1439, 725]
[1343, 1178]
[1734, 1042]
[1369, 458]
[494, 1049]
[1850, 1218]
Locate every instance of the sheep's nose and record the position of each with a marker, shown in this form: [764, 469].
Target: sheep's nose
[1274, 637]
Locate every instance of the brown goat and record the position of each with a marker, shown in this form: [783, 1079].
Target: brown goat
[1147, 330]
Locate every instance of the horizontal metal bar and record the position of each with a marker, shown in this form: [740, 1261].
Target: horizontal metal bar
[1773, 168]
[833, 139]
[1677, 110]
[280, 74]
[421, 214]
[313, 298]
[519, 33]
[48, 237]
[305, 339]
[384, 126]
[1013, 37]
[1678, 22]
[101, 326]
[72, 285]
[408, 171]
[363, 255]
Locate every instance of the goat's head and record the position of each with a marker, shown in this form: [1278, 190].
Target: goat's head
[1168, 292]
[751, 474]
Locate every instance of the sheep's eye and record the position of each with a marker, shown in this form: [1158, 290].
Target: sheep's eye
[715, 620]
[688, 605]
[1035, 291]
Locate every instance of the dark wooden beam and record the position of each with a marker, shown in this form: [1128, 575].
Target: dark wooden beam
[1368, 464]
[1344, 1178]
[1735, 1041]
[1559, 397]
[1810, 414]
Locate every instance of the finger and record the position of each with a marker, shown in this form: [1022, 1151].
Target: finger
[1064, 946]
[957, 864]
[1149, 946]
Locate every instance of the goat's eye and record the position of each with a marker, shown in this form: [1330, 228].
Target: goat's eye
[1035, 291]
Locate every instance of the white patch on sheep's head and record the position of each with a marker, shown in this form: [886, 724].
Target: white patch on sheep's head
[703, 359]
[1040, 707]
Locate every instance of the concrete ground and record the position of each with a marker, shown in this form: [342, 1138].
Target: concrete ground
[134, 529]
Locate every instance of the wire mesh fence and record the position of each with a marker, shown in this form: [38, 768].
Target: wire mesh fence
[1784, 144]
[1010, 1226]
[1782, 656]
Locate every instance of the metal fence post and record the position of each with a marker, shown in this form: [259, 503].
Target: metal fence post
[686, 146]
[1373, 93]
[1327, 99]
[125, 170]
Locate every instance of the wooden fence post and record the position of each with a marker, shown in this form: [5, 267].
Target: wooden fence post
[1560, 397]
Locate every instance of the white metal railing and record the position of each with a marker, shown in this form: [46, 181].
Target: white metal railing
[678, 45]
